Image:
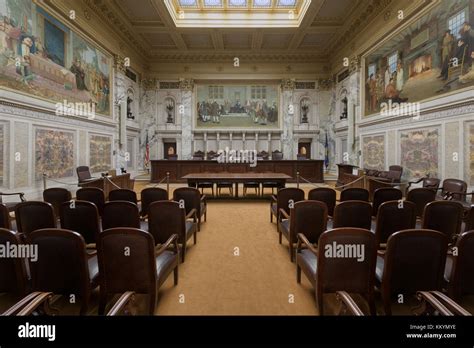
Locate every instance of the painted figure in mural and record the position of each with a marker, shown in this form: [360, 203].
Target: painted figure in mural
[467, 34]
[447, 47]
[387, 77]
[380, 90]
[399, 76]
[77, 70]
[459, 53]
[24, 68]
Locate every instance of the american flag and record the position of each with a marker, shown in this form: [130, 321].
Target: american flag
[147, 152]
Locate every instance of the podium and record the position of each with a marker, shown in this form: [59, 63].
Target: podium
[110, 183]
[345, 175]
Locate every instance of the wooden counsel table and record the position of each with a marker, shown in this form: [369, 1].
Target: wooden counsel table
[237, 178]
[110, 183]
[311, 170]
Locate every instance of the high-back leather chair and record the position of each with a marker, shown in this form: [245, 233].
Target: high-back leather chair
[166, 218]
[94, 195]
[5, 217]
[356, 214]
[81, 217]
[150, 195]
[385, 194]
[354, 194]
[329, 273]
[63, 266]
[143, 271]
[282, 201]
[123, 195]
[431, 183]
[414, 261]
[326, 195]
[306, 217]
[192, 199]
[277, 155]
[454, 186]
[83, 173]
[395, 173]
[13, 277]
[421, 197]
[34, 215]
[460, 268]
[56, 196]
[444, 216]
[120, 214]
[394, 216]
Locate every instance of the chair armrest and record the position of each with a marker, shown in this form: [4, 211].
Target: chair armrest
[302, 239]
[163, 247]
[122, 303]
[450, 194]
[429, 298]
[21, 194]
[348, 303]
[381, 253]
[453, 306]
[415, 182]
[204, 199]
[18, 306]
[284, 213]
[274, 199]
[192, 214]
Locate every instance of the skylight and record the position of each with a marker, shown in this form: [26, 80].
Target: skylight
[237, 13]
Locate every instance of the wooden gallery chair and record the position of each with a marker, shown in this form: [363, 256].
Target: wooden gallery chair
[330, 272]
[143, 270]
[192, 199]
[150, 195]
[94, 195]
[123, 195]
[444, 216]
[308, 218]
[56, 196]
[414, 261]
[385, 194]
[34, 215]
[394, 216]
[5, 220]
[81, 217]
[285, 198]
[356, 214]
[421, 197]
[326, 195]
[63, 266]
[166, 218]
[453, 189]
[120, 214]
[354, 194]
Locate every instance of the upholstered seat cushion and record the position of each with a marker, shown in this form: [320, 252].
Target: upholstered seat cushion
[189, 229]
[285, 228]
[309, 264]
[203, 208]
[448, 268]
[379, 269]
[165, 263]
[273, 207]
[93, 269]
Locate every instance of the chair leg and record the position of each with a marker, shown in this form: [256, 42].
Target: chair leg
[153, 301]
[205, 215]
[184, 252]
[292, 252]
[102, 302]
[271, 215]
[298, 274]
[387, 305]
[199, 224]
[212, 190]
[84, 306]
[320, 303]
[195, 236]
[176, 274]
[279, 237]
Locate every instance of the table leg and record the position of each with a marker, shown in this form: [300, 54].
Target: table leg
[236, 190]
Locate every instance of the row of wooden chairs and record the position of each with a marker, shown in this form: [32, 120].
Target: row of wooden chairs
[414, 260]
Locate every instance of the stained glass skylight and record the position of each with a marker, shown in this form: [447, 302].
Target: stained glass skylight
[237, 13]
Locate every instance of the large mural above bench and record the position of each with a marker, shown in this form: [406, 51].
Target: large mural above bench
[430, 57]
[41, 56]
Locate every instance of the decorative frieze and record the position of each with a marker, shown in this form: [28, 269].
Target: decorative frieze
[186, 84]
[288, 84]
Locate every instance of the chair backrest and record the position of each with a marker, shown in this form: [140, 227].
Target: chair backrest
[443, 216]
[287, 195]
[414, 261]
[5, 217]
[355, 194]
[13, 277]
[346, 260]
[462, 280]
[356, 214]
[34, 215]
[421, 197]
[119, 271]
[120, 214]
[385, 194]
[83, 173]
[123, 195]
[166, 218]
[81, 217]
[469, 220]
[395, 173]
[94, 195]
[309, 218]
[432, 183]
[394, 216]
[56, 196]
[277, 155]
[62, 266]
[191, 198]
[455, 185]
[150, 195]
[326, 195]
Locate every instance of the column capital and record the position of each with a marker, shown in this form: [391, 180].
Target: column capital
[186, 84]
[288, 84]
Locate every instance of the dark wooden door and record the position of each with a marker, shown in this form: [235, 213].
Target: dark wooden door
[304, 149]
[169, 150]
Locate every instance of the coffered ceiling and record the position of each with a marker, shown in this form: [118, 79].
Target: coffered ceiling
[148, 26]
